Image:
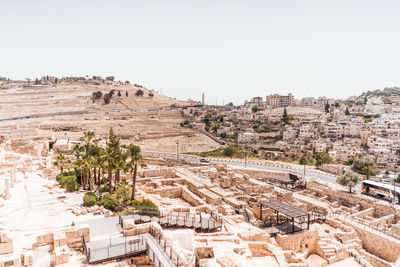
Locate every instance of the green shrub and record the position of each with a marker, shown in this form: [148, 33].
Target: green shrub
[68, 180]
[130, 212]
[228, 151]
[62, 175]
[123, 193]
[109, 202]
[89, 199]
[97, 95]
[139, 92]
[104, 180]
[70, 183]
[146, 207]
[104, 189]
[106, 99]
[59, 177]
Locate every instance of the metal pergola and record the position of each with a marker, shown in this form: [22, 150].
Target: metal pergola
[295, 215]
[288, 182]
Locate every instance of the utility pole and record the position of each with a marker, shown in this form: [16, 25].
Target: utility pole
[305, 179]
[177, 149]
[245, 156]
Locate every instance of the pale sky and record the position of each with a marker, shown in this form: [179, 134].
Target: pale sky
[230, 50]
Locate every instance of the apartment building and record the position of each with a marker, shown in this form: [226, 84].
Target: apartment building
[276, 100]
[319, 146]
[333, 130]
[379, 143]
[289, 134]
[306, 132]
[248, 137]
[387, 160]
[352, 130]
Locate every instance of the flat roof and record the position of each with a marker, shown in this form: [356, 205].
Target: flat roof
[284, 208]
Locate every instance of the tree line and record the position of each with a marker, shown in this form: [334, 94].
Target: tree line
[97, 165]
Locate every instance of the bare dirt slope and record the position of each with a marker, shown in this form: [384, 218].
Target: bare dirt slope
[66, 110]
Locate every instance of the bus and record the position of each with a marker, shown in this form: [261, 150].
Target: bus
[385, 191]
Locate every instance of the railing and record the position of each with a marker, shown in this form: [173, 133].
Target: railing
[117, 250]
[359, 259]
[140, 244]
[121, 221]
[364, 224]
[243, 211]
[154, 242]
[182, 219]
[85, 248]
[169, 249]
[298, 168]
[273, 229]
[317, 216]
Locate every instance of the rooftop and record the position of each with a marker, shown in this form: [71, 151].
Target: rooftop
[284, 208]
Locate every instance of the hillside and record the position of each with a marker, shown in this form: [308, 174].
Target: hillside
[66, 110]
[387, 91]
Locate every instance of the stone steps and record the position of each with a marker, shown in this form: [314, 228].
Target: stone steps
[327, 248]
[298, 264]
[355, 245]
[355, 240]
[330, 255]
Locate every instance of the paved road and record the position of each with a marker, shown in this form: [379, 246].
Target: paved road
[237, 163]
[323, 176]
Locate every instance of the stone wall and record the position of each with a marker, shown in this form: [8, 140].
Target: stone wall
[6, 244]
[10, 260]
[379, 245]
[381, 209]
[264, 174]
[71, 236]
[211, 198]
[298, 242]
[266, 213]
[374, 260]
[165, 172]
[191, 198]
[138, 229]
[335, 169]
[170, 192]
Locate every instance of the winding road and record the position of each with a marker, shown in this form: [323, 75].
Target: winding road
[317, 174]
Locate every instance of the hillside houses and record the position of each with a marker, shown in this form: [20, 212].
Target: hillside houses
[315, 125]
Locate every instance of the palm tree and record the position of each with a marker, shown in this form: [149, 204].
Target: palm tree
[86, 165]
[95, 153]
[61, 160]
[78, 163]
[120, 163]
[135, 160]
[108, 158]
[111, 154]
[77, 150]
[101, 165]
[87, 139]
